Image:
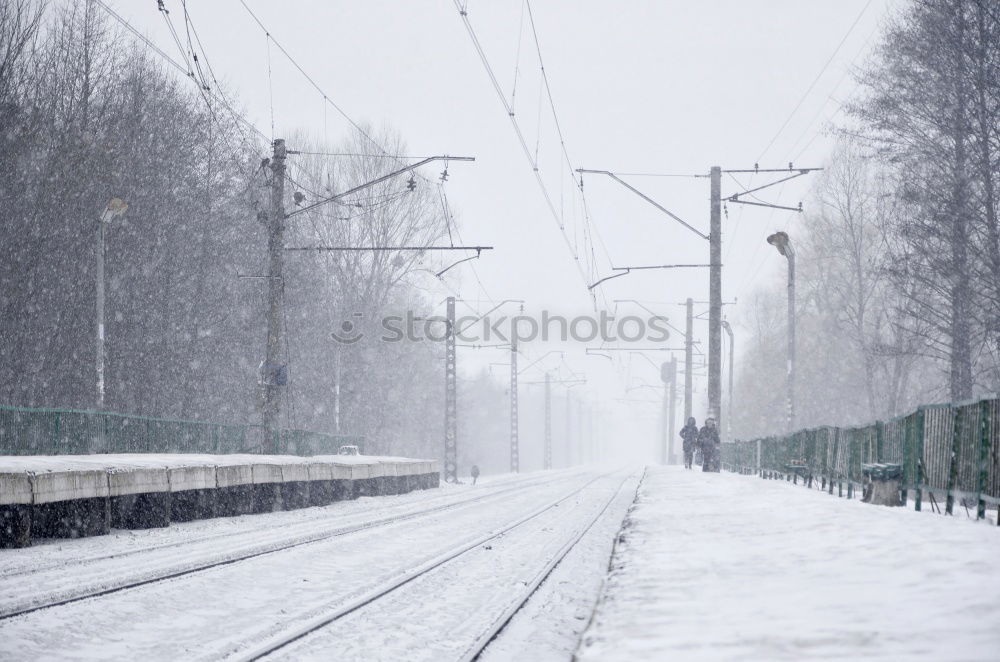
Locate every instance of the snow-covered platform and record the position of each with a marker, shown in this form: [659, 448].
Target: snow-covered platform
[78, 495]
[729, 567]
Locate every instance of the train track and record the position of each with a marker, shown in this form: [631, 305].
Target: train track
[281, 640]
[60, 598]
[473, 651]
[61, 564]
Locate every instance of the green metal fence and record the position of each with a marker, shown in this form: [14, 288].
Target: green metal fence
[26, 431]
[950, 454]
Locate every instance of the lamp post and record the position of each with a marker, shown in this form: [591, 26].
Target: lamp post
[116, 207]
[781, 241]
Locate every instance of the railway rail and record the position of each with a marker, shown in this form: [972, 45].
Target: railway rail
[280, 641]
[178, 565]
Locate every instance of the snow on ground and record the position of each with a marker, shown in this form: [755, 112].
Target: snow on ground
[549, 626]
[210, 614]
[727, 567]
[440, 614]
[49, 553]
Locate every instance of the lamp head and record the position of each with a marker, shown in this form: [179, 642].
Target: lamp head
[116, 207]
[780, 241]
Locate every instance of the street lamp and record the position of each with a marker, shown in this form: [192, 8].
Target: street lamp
[781, 241]
[116, 207]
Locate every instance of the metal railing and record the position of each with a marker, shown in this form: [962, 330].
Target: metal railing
[950, 453]
[25, 431]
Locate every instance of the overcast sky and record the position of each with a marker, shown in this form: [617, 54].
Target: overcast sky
[666, 86]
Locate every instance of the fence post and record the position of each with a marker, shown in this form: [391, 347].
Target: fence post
[55, 446]
[879, 441]
[102, 426]
[850, 466]
[832, 455]
[918, 452]
[984, 453]
[956, 439]
[907, 440]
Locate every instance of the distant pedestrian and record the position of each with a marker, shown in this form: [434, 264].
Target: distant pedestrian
[475, 473]
[711, 450]
[689, 433]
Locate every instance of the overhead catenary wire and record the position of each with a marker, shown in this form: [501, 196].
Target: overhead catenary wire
[357, 127]
[590, 228]
[520, 137]
[830, 97]
[815, 80]
[215, 93]
[747, 282]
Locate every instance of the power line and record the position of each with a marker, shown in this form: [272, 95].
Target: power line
[833, 90]
[816, 79]
[215, 94]
[312, 82]
[520, 136]
[590, 229]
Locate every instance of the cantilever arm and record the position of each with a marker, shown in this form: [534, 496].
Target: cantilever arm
[379, 180]
[646, 198]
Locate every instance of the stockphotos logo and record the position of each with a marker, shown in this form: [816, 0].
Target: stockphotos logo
[502, 329]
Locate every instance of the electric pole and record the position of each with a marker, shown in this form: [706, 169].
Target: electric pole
[729, 415]
[450, 396]
[668, 374]
[665, 414]
[688, 359]
[715, 298]
[569, 429]
[515, 461]
[274, 372]
[548, 422]
[673, 411]
[548, 382]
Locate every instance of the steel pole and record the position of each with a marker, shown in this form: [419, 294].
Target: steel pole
[515, 460]
[548, 423]
[450, 397]
[688, 359]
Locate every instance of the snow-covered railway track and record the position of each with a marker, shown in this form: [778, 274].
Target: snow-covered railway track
[25, 592]
[499, 616]
[29, 562]
[519, 600]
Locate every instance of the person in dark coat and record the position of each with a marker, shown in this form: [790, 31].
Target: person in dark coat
[711, 451]
[689, 433]
[475, 474]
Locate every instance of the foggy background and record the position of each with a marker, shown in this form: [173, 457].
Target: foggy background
[90, 112]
